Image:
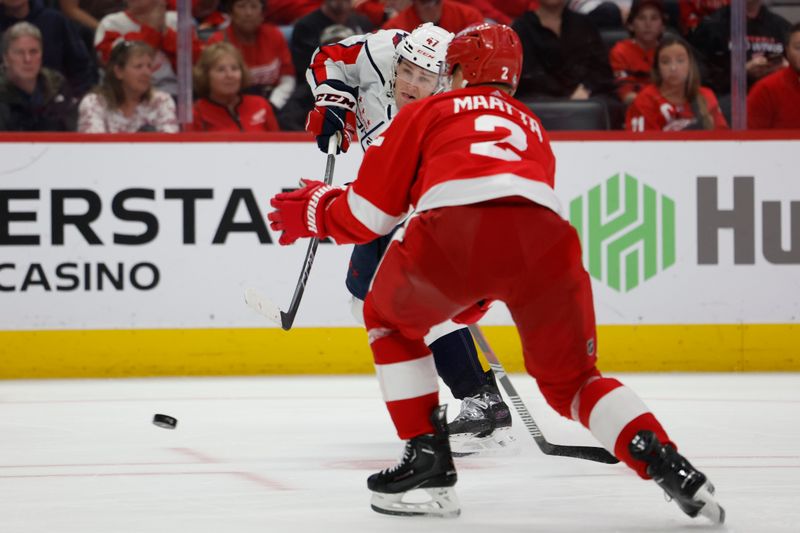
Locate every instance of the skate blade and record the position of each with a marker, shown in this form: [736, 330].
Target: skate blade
[442, 503]
[500, 443]
[710, 509]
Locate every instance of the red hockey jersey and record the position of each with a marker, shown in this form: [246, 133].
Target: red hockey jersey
[268, 58]
[252, 114]
[651, 111]
[461, 147]
[632, 66]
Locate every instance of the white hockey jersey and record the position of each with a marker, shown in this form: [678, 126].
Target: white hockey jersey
[365, 63]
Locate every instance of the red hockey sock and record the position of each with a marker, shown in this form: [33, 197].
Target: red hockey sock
[614, 414]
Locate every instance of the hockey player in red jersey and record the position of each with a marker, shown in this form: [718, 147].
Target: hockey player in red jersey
[477, 168]
[371, 77]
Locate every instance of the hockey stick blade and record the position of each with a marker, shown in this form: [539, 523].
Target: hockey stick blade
[588, 453]
[265, 307]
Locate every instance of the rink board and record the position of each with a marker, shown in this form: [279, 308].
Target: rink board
[216, 352]
[123, 258]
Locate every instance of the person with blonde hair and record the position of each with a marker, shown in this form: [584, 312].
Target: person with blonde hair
[220, 75]
[675, 101]
[263, 48]
[125, 101]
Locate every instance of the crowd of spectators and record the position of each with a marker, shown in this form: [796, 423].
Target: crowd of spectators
[110, 65]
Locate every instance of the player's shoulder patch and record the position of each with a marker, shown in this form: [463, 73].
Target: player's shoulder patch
[397, 38]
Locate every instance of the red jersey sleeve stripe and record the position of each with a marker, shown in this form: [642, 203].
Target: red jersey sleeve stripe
[338, 53]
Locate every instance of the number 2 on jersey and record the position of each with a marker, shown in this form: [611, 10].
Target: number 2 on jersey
[516, 138]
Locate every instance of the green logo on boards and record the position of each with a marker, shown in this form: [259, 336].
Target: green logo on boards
[627, 231]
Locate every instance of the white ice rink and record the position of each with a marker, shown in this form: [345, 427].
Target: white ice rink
[292, 454]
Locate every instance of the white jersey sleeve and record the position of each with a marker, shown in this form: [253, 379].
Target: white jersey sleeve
[363, 66]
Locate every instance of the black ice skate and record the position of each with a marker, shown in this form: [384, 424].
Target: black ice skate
[681, 482]
[426, 464]
[484, 424]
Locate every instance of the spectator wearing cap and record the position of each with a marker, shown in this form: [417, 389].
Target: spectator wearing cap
[448, 14]
[150, 22]
[774, 102]
[632, 59]
[263, 48]
[766, 33]
[563, 54]
[63, 51]
[220, 77]
[307, 31]
[126, 101]
[32, 98]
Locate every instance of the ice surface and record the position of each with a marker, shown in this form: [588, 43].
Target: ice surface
[292, 454]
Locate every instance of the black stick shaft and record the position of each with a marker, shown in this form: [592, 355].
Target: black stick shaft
[589, 453]
[287, 318]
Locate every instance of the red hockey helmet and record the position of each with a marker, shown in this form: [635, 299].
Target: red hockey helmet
[486, 53]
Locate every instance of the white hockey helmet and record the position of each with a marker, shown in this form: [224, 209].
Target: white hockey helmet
[426, 47]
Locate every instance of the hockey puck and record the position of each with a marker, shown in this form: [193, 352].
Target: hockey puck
[165, 421]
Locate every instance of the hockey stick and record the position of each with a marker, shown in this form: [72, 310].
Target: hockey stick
[590, 453]
[266, 307]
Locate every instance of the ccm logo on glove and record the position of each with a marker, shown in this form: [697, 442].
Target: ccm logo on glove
[328, 99]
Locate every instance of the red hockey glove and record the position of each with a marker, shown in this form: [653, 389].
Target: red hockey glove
[474, 313]
[335, 103]
[301, 213]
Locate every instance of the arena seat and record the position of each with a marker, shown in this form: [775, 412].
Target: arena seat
[559, 115]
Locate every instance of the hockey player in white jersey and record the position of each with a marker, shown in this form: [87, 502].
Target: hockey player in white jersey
[370, 77]
[360, 84]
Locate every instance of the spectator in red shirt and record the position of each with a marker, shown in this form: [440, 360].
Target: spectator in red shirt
[675, 101]
[632, 59]
[448, 14]
[264, 49]
[219, 78]
[148, 21]
[774, 102]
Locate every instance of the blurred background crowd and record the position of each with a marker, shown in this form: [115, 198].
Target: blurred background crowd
[108, 66]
